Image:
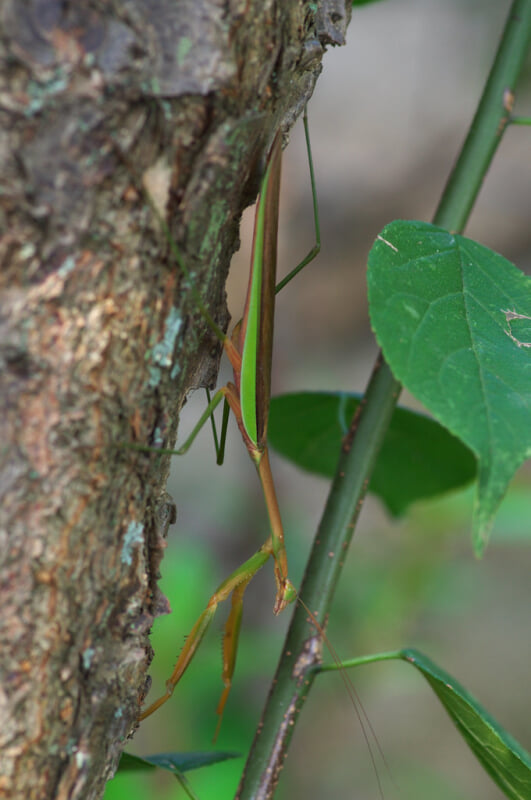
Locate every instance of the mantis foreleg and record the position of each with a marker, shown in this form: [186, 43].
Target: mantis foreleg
[235, 584]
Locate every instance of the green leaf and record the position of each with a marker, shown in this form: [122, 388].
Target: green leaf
[418, 459]
[173, 762]
[449, 315]
[507, 763]
[363, 2]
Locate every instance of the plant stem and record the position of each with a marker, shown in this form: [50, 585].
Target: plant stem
[301, 653]
[490, 121]
[389, 655]
[302, 649]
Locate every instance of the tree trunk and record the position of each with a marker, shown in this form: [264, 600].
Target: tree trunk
[101, 336]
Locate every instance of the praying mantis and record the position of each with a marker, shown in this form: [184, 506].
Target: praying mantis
[249, 350]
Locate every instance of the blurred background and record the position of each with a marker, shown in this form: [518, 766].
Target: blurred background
[389, 114]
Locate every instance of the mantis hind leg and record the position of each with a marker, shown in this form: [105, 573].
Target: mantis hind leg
[317, 246]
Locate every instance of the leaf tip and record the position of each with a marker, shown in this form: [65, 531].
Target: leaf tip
[481, 529]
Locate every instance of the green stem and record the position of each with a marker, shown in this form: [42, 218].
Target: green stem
[389, 655]
[490, 121]
[185, 785]
[301, 653]
[302, 649]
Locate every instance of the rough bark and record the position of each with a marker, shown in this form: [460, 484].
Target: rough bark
[100, 336]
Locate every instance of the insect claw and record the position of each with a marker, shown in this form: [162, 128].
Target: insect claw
[286, 595]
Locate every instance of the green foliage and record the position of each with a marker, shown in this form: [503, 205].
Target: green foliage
[452, 318]
[508, 764]
[173, 762]
[418, 459]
